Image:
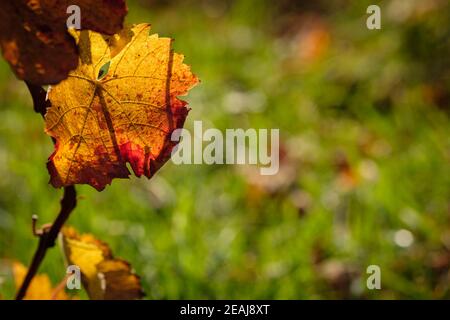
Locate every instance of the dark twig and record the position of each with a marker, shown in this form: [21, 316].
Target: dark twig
[39, 95]
[47, 236]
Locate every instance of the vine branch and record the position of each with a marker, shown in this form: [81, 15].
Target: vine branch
[47, 236]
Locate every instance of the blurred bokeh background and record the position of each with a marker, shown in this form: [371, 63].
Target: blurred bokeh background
[364, 178]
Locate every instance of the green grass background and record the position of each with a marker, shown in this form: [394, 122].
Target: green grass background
[364, 125]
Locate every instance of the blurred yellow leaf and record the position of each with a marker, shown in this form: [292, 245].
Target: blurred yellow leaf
[104, 277]
[40, 287]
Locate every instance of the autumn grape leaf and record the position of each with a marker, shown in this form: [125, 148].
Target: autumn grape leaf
[34, 38]
[40, 287]
[104, 277]
[119, 106]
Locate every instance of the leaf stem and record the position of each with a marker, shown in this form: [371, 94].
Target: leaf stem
[48, 238]
[68, 203]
